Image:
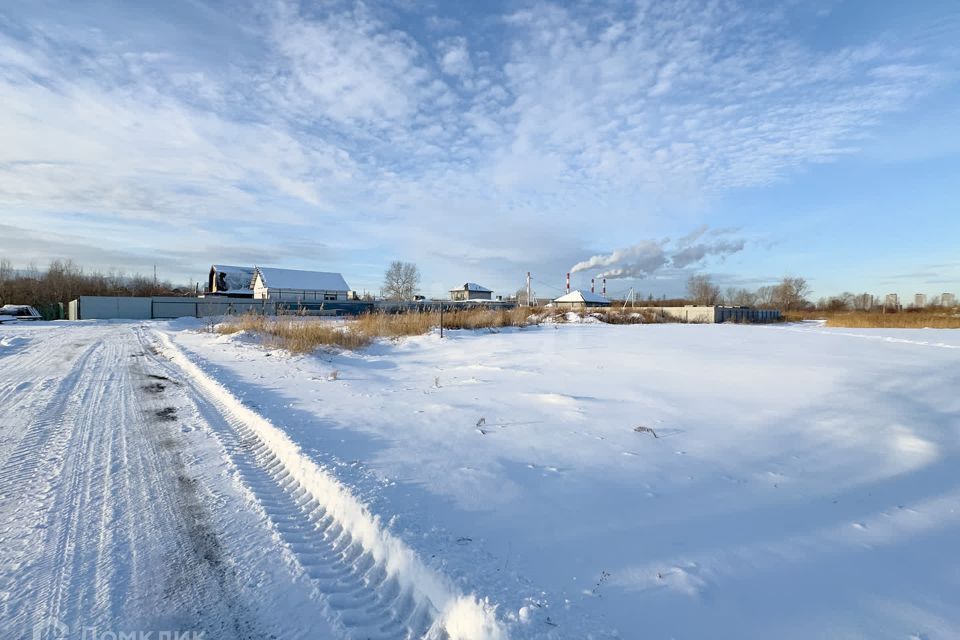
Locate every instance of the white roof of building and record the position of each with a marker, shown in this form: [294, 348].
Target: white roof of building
[472, 286]
[582, 296]
[235, 278]
[274, 278]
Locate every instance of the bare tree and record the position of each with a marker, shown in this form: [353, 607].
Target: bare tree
[702, 291]
[843, 302]
[741, 297]
[791, 294]
[401, 281]
[765, 297]
[64, 280]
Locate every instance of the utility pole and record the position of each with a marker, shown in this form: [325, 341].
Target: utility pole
[441, 318]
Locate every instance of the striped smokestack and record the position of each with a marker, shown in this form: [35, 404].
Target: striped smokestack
[568, 282]
[591, 286]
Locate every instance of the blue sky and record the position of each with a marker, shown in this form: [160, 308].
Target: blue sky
[641, 141]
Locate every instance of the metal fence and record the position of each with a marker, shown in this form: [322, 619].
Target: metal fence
[169, 307]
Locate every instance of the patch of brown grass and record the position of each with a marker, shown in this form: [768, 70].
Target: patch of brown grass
[395, 325]
[302, 335]
[297, 334]
[629, 315]
[489, 318]
[920, 319]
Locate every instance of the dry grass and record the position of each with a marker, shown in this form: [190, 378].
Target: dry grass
[921, 319]
[302, 335]
[629, 315]
[299, 335]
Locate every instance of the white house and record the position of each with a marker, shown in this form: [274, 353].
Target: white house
[581, 299]
[471, 291]
[292, 285]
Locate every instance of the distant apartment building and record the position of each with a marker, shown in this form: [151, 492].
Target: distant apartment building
[948, 300]
[920, 300]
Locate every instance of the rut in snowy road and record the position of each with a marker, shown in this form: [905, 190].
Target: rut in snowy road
[104, 524]
[373, 585]
[139, 496]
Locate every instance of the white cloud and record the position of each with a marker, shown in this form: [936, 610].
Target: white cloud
[336, 116]
[455, 57]
[349, 67]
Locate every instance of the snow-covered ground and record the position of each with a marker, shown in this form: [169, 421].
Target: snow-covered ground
[803, 482]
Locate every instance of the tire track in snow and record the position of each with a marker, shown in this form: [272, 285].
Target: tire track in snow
[28, 483]
[102, 524]
[374, 586]
[33, 377]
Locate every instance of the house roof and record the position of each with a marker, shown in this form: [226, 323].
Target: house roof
[235, 278]
[582, 296]
[274, 278]
[472, 286]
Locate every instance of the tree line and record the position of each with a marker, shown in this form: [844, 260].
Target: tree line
[64, 280]
[790, 294]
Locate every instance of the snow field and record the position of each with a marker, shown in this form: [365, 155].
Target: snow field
[798, 471]
[570, 481]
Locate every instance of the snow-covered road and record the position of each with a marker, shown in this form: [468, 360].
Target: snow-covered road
[138, 496]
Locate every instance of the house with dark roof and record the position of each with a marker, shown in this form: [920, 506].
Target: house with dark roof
[471, 291]
[230, 281]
